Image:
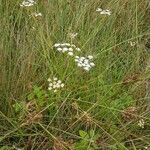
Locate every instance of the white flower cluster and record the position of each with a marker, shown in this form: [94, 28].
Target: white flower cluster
[141, 123]
[103, 12]
[27, 3]
[85, 62]
[55, 84]
[66, 47]
[37, 14]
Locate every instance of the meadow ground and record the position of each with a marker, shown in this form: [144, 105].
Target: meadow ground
[97, 103]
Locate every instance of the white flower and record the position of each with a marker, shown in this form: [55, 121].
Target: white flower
[55, 79]
[77, 57]
[90, 57]
[31, 1]
[70, 49]
[59, 81]
[78, 49]
[141, 123]
[67, 44]
[70, 53]
[82, 58]
[37, 14]
[99, 9]
[51, 84]
[55, 91]
[57, 44]
[27, 3]
[50, 88]
[59, 49]
[55, 84]
[49, 79]
[84, 62]
[92, 64]
[72, 45]
[66, 47]
[79, 65]
[87, 68]
[63, 44]
[62, 85]
[103, 12]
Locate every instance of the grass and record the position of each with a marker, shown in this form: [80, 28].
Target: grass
[99, 109]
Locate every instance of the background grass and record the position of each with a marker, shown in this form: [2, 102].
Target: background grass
[95, 110]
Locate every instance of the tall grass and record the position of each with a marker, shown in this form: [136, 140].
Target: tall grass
[107, 102]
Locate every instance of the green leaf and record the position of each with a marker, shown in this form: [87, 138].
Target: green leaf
[18, 107]
[82, 133]
[30, 96]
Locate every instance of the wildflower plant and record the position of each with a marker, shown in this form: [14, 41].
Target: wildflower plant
[95, 98]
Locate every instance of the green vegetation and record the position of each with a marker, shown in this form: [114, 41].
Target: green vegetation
[106, 108]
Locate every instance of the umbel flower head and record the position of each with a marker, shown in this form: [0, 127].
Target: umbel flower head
[141, 123]
[85, 62]
[37, 14]
[55, 84]
[27, 3]
[103, 12]
[66, 48]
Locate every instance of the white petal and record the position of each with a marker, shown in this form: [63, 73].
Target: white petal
[82, 58]
[56, 45]
[59, 81]
[51, 84]
[98, 9]
[54, 86]
[92, 64]
[70, 49]
[80, 65]
[63, 44]
[49, 80]
[59, 49]
[76, 60]
[65, 49]
[90, 57]
[55, 91]
[70, 53]
[77, 57]
[55, 79]
[78, 49]
[58, 86]
[50, 88]
[86, 61]
[86, 68]
[72, 45]
[67, 44]
[62, 85]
